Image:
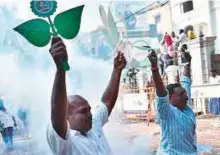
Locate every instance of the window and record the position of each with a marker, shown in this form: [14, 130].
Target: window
[187, 6]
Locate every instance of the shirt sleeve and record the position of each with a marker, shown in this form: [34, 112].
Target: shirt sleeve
[58, 145]
[101, 115]
[163, 107]
[186, 83]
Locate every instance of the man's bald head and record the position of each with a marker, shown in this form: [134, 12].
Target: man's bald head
[76, 99]
[79, 114]
[75, 102]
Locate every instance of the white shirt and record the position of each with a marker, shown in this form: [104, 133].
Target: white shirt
[76, 144]
[6, 119]
[171, 72]
[182, 38]
[214, 80]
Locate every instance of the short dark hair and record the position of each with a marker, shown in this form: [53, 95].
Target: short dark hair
[171, 87]
[214, 71]
[181, 31]
[184, 47]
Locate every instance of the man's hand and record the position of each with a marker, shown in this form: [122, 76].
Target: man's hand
[153, 58]
[58, 52]
[120, 61]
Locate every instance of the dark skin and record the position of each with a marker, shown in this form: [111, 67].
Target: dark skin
[75, 108]
[179, 97]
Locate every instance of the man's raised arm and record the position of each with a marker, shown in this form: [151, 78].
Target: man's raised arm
[186, 79]
[160, 89]
[162, 103]
[111, 93]
[59, 105]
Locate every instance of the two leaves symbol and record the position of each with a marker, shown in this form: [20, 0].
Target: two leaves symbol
[37, 31]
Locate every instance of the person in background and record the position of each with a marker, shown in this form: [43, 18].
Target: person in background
[214, 103]
[184, 56]
[130, 19]
[23, 115]
[8, 122]
[191, 35]
[161, 62]
[174, 115]
[171, 72]
[163, 48]
[214, 78]
[182, 37]
[170, 56]
[175, 40]
[132, 74]
[168, 60]
[168, 40]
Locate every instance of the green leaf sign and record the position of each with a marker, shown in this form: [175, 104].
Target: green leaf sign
[68, 22]
[39, 32]
[36, 31]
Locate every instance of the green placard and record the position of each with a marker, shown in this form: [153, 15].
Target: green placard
[39, 31]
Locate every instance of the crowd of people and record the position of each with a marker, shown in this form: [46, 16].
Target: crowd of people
[173, 51]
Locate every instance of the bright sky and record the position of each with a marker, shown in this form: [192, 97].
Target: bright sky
[90, 20]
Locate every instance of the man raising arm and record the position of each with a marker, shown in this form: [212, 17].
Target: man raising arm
[59, 105]
[176, 118]
[74, 131]
[111, 93]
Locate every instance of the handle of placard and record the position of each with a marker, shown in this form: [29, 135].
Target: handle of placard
[65, 65]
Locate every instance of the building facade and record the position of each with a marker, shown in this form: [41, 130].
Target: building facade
[192, 12]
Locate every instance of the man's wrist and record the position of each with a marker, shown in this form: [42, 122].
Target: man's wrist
[61, 71]
[118, 70]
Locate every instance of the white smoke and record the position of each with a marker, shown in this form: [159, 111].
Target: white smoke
[33, 87]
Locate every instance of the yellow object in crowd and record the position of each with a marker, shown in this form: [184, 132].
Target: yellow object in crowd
[191, 35]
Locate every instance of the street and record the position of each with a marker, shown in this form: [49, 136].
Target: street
[135, 138]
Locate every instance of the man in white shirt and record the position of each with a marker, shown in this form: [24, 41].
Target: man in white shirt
[214, 78]
[182, 37]
[73, 129]
[172, 72]
[214, 103]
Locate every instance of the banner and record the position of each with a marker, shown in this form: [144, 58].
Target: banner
[130, 14]
[136, 103]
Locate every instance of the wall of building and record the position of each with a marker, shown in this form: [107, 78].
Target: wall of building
[164, 25]
[200, 14]
[215, 14]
